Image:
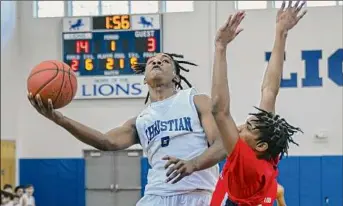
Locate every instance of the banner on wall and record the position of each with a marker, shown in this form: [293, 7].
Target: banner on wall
[109, 87]
[102, 51]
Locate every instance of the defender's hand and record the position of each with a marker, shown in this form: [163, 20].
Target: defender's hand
[48, 112]
[288, 17]
[230, 29]
[179, 169]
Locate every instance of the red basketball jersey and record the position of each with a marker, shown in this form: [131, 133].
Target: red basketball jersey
[247, 180]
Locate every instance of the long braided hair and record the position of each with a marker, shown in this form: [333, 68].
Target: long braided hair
[139, 68]
[275, 131]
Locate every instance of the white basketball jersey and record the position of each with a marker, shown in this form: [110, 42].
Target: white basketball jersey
[172, 127]
[30, 200]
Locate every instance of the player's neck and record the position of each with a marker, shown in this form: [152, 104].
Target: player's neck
[161, 92]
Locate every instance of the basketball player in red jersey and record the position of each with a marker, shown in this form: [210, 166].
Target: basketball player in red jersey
[254, 149]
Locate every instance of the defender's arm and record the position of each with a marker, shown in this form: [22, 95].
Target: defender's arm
[287, 18]
[221, 101]
[280, 196]
[216, 152]
[272, 77]
[220, 87]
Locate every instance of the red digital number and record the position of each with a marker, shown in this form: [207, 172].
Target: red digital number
[82, 45]
[74, 65]
[151, 44]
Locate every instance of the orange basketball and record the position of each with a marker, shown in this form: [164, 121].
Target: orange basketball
[53, 80]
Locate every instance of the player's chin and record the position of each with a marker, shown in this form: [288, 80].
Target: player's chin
[156, 76]
[156, 70]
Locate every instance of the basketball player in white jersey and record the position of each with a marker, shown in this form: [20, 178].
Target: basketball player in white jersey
[174, 130]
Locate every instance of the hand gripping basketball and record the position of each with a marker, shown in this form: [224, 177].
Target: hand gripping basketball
[47, 111]
[53, 80]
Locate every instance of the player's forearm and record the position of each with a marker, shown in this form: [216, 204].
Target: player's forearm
[280, 196]
[273, 74]
[220, 88]
[281, 201]
[214, 154]
[86, 134]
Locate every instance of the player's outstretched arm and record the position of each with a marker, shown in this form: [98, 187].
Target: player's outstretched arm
[286, 19]
[220, 88]
[116, 139]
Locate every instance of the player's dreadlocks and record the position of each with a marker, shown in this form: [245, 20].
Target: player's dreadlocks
[140, 68]
[275, 131]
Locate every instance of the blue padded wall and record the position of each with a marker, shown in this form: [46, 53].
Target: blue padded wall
[332, 180]
[307, 180]
[57, 181]
[290, 166]
[310, 181]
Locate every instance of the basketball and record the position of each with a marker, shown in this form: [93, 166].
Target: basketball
[53, 80]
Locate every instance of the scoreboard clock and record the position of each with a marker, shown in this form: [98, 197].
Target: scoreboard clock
[102, 50]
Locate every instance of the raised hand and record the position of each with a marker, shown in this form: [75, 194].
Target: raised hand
[179, 169]
[230, 29]
[48, 112]
[288, 17]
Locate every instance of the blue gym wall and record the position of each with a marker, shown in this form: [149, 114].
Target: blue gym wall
[307, 180]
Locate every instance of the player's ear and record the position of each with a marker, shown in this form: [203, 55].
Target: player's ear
[145, 80]
[261, 146]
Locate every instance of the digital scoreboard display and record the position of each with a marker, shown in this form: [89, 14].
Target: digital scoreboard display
[105, 48]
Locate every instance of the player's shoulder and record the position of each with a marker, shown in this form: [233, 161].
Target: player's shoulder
[144, 112]
[131, 122]
[200, 99]
[194, 92]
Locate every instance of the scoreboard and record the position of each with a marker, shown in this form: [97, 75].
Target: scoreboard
[102, 51]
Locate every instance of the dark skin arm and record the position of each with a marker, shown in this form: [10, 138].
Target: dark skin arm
[116, 139]
[280, 196]
[214, 154]
[287, 18]
[220, 86]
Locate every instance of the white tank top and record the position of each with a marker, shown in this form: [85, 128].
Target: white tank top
[172, 127]
[30, 200]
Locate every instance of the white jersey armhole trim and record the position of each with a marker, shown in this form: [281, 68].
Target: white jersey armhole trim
[192, 93]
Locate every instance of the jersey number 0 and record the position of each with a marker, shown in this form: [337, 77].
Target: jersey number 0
[165, 141]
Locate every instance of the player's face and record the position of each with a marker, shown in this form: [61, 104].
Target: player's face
[29, 190]
[160, 69]
[250, 135]
[8, 190]
[20, 192]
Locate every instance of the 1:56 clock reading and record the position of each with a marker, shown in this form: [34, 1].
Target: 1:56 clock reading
[118, 22]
